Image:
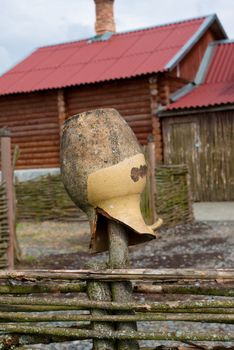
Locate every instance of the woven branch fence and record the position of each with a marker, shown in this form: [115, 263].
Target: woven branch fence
[173, 200]
[56, 306]
[46, 199]
[4, 228]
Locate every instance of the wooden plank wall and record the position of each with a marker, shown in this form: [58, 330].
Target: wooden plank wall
[209, 155]
[188, 67]
[217, 155]
[33, 120]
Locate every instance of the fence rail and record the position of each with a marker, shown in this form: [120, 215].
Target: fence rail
[27, 296]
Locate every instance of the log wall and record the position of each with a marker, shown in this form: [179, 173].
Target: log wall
[33, 120]
[130, 97]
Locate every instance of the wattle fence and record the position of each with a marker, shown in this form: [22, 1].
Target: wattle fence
[58, 306]
[46, 199]
[173, 200]
[113, 306]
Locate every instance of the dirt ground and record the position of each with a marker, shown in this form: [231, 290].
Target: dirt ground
[65, 245]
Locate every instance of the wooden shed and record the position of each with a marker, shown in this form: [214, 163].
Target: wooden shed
[198, 128]
[134, 72]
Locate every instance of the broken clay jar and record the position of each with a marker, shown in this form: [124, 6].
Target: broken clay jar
[104, 172]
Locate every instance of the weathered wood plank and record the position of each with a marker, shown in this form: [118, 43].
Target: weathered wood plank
[122, 274]
[204, 142]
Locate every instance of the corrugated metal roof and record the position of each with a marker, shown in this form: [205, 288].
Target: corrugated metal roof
[217, 85]
[123, 55]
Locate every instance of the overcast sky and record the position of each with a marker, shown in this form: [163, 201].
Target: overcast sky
[28, 24]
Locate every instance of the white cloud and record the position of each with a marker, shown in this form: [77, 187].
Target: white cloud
[149, 13]
[28, 24]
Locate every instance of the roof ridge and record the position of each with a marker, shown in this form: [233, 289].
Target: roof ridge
[129, 31]
[163, 25]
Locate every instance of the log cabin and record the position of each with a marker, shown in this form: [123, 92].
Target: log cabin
[198, 126]
[134, 72]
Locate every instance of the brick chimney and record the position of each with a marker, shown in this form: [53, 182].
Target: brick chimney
[104, 16]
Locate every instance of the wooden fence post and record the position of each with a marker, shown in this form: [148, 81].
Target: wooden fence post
[150, 150]
[100, 291]
[7, 176]
[121, 291]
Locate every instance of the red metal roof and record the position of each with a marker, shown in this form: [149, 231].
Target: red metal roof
[123, 55]
[218, 83]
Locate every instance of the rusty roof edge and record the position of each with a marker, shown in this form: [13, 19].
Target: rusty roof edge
[193, 40]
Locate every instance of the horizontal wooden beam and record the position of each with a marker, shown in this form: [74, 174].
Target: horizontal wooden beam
[64, 317]
[26, 288]
[122, 335]
[207, 288]
[122, 274]
[79, 304]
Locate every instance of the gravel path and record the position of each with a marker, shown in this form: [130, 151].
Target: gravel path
[65, 245]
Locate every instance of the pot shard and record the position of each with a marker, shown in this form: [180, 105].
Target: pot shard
[104, 172]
